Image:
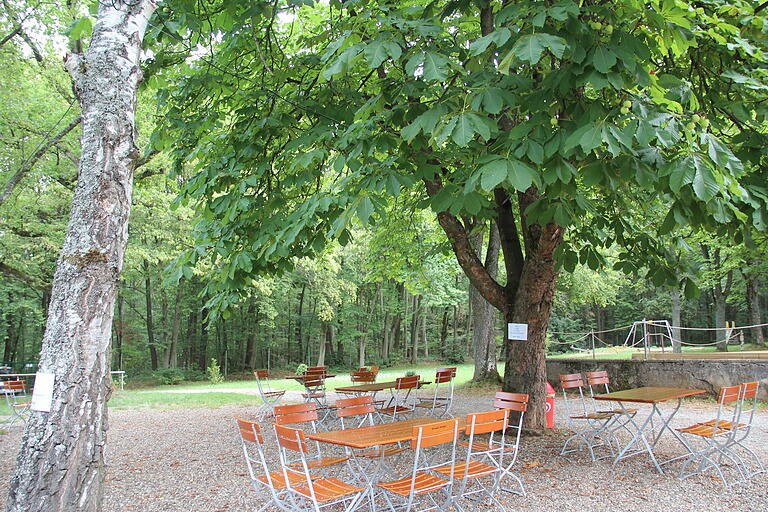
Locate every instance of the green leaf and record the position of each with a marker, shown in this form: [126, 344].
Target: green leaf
[464, 131]
[520, 175]
[603, 59]
[591, 138]
[704, 183]
[530, 48]
[80, 28]
[493, 173]
[365, 209]
[683, 171]
[435, 67]
[493, 101]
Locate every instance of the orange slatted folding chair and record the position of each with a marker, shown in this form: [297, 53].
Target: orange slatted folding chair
[399, 403]
[317, 493]
[274, 483]
[723, 437]
[358, 412]
[16, 398]
[306, 413]
[269, 397]
[484, 462]
[439, 404]
[592, 430]
[421, 482]
[598, 383]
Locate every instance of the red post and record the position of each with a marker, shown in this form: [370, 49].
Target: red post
[550, 406]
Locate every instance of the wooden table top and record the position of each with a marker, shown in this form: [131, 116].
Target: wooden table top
[376, 386]
[649, 395]
[376, 435]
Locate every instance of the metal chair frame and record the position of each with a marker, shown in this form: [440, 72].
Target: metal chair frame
[273, 482]
[269, 397]
[14, 390]
[599, 382]
[421, 481]
[440, 403]
[362, 409]
[725, 433]
[595, 432]
[296, 414]
[399, 402]
[320, 493]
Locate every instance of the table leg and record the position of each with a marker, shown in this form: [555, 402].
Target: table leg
[639, 436]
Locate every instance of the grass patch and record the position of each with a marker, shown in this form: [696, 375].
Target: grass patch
[164, 400]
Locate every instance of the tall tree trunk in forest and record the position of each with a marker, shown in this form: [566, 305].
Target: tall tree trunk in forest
[299, 313]
[423, 321]
[202, 354]
[753, 305]
[676, 320]
[323, 342]
[483, 312]
[171, 359]
[119, 331]
[720, 293]
[164, 331]
[250, 344]
[60, 466]
[10, 332]
[150, 322]
[192, 337]
[414, 328]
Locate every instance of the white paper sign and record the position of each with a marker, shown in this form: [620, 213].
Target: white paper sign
[42, 395]
[517, 332]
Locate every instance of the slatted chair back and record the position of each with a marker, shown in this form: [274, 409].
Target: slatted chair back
[486, 422]
[573, 381]
[443, 375]
[409, 382]
[296, 413]
[749, 391]
[17, 387]
[433, 434]
[290, 438]
[599, 382]
[362, 377]
[728, 400]
[316, 370]
[374, 369]
[359, 408]
[512, 401]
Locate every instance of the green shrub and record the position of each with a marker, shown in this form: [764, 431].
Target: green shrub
[410, 373]
[214, 372]
[169, 376]
[194, 375]
[301, 369]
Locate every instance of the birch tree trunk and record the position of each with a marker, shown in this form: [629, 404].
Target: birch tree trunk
[61, 460]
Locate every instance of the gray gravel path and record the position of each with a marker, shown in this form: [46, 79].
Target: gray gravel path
[191, 460]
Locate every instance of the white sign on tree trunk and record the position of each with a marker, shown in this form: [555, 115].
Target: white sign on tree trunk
[42, 395]
[517, 332]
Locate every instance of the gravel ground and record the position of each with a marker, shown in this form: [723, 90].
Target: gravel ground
[191, 460]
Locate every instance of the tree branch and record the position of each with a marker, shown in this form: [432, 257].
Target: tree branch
[32, 160]
[24, 277]
[10, 36]
[510, 240]
[474, 269]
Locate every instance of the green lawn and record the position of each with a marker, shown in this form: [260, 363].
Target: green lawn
[626, 352]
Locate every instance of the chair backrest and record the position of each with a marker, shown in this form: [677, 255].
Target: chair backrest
[485, 422]
[316, 370]
[409, 382]
[748, 403]
[512, 401]
[15, 385]
[729, 394]
[571, 381]
[433, 434]
[360, 407]
[291, 438]
[444, 375]
[262, 382]
[296, 413]
[727, 397]
[362, 376]
[261, 374]
[374, 369]
[250, 431]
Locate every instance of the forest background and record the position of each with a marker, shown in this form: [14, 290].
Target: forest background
[392, 292]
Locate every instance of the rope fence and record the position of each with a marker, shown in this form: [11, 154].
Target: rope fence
[649, 332]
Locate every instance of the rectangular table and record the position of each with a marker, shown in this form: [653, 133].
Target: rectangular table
[653, 396]
[375, 435]
[375, 386]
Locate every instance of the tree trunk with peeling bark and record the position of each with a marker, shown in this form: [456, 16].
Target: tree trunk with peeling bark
[61, 460]
[484, 314]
